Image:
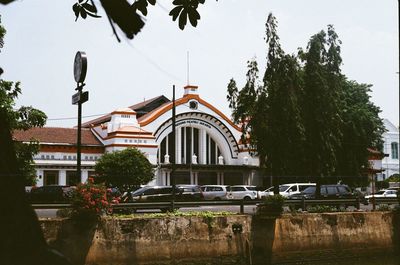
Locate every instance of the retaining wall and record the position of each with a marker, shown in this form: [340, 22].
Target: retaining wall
[236, 239]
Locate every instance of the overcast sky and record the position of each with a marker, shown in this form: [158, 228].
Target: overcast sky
[43, 37]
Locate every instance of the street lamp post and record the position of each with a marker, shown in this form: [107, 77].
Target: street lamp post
[80, 68]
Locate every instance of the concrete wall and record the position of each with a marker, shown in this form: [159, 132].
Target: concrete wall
[186, 240]
[197, 240]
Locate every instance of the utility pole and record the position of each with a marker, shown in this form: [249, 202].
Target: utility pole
[173, 153]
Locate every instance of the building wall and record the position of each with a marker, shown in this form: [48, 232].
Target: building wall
[390, 163]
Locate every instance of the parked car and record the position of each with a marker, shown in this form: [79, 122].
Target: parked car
[290, 189]
[165, 194]
[51, 194]
[242, 192]
[382, 194]
[215, 192]
[191, 192]
[328, 192]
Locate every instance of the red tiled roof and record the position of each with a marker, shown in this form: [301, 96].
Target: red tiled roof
[107, 117]
[56, 136]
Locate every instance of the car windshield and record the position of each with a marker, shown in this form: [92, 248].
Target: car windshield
[380, 192]
[283, 188]
[139, 191]
[309, 190]
[251, 188]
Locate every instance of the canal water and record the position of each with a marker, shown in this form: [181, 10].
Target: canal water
[386, 260]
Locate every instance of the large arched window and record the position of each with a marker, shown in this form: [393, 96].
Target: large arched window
[395, 150]
[192, 142]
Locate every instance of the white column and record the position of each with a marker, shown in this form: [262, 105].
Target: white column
[84, 176]
[196, 178]
[202, 148]
[222, 178]
[178, 144]
[39, 177]
[191, 143]
[62, 177]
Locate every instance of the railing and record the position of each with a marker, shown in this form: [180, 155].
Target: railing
[304, 204]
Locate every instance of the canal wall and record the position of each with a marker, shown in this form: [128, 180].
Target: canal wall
[236, 239]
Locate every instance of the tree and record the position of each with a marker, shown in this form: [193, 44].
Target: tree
[361, 129]
[271, 110]
[121, 168]
[306, 120]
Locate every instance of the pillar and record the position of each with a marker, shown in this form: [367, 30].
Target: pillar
[62, 177]
[202, 148]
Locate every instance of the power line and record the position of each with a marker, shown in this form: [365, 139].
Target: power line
[74, 118]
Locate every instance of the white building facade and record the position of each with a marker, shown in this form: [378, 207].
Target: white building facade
[390, 163]
[207, 149]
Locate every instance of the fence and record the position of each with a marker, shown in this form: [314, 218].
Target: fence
[304, 204]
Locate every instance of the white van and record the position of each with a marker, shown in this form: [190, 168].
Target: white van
[289, 189]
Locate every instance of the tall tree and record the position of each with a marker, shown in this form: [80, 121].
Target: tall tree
[321, 107]
[306, 119]
[271, 110]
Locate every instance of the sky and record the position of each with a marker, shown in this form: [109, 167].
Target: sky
[42, 40]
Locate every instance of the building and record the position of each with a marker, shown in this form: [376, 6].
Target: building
[207, 143]
[390, 163]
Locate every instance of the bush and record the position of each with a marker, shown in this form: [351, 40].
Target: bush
[322, 209]
[91, 199]
[272, 205]
[384, 207]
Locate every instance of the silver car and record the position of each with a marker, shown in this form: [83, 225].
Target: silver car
[242, 192]
[215, 192]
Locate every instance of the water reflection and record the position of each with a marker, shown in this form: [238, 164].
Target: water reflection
[387, 260]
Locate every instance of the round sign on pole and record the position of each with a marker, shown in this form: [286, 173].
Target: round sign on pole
[80, 67]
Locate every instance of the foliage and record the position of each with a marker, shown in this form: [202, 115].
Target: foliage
[393, 178]
[272, 205]
[321, 209]
[381, 185]
[205, 214]
[121, 168]
[275, 199]
[91, 199]
[127, 16]
[384, 207]
[306, 119]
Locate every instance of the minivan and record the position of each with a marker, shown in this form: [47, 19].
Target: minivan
[287, 190]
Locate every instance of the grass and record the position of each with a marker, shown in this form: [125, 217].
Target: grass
[206, 214]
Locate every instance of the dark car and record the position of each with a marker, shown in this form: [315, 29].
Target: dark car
[51, 194]
[190, 192]
[164, 193]
[328, 192]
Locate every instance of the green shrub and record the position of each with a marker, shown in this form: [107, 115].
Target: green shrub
[321, 209]
[384, 207]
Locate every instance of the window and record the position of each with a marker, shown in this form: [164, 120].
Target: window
[395, 150]
[72, 178]
[238, 189]
[50, 177]
[343, 189]
[332, 190]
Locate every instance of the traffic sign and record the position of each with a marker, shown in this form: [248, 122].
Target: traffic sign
[80, 96]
